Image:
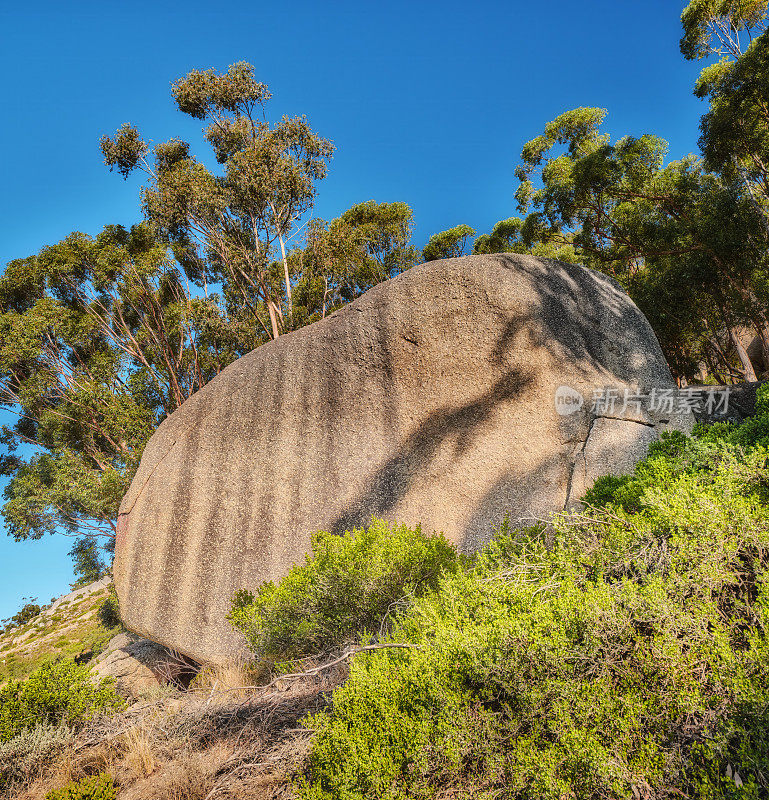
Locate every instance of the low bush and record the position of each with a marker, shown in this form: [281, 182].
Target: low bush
[618, 653]
[58, 692]
[345, 588]
[108, 613]
[27, 613]
[23, 758]
[99, 787]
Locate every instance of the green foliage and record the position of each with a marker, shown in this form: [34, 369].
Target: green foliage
[688, 245]
[622, 653]
[229, 229]
[674, 455]
[84, 635]
[714, 26]
[735, 130]
[58, 692]
[762, 399]
[448, 244]
[347, 587]
[108, 613]
[344, 258]
[88, 563]
[507, 236]
[98, 787]
[384, 231]
[100, 338]
[27, 613]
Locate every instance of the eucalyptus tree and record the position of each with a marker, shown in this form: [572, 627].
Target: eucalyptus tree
[507, 237]
[721, 28]
[369, 243]
[619, 208]
[384, 232]
[230, 228]
[732, 36]
[87, 560]
[735, 130]
[100, 339]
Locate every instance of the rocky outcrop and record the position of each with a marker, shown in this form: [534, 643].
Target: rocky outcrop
[431, 400]
[139, 665]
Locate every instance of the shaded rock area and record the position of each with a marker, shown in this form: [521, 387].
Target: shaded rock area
[599, 455]
[429, 400]
[740, 405]
[139, 665]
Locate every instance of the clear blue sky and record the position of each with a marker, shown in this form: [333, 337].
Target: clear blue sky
[427, 102]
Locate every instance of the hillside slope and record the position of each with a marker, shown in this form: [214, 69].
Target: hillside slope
[69, 627]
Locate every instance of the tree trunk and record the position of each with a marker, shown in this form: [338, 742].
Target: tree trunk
[747, 367]
[762, 329]
[288, 280]
[714, 370]
[273, 319]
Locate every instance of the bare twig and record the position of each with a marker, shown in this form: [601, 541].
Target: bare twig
[348, 653]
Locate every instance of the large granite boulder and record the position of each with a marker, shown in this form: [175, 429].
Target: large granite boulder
[430, 399]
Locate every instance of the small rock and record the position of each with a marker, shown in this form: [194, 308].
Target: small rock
[138, 664]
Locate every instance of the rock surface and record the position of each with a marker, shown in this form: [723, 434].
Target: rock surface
[428, 400]
[138, 665]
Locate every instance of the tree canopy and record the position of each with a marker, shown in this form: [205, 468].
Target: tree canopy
[225, 228]
[689, 239]
[102, 337]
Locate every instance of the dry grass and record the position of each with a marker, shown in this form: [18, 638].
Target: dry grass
[204, 745]
[190, 776]
[139, 748]
[175, 670]
[228, 679]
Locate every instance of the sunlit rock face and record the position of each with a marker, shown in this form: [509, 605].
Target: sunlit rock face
[429, 400]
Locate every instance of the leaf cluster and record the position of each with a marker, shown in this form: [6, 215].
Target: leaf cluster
[346, 588]
[688, 245]
[97, 787]
[58, 692]
[369, 243]
[224, 227]
[100, 338]
[448, 244]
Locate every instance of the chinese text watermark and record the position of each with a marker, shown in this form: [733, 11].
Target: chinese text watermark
[615, 402]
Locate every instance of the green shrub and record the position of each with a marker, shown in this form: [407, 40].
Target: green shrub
[23, 758]
[620, 655]
[675, 455]
[28, 612]
[108, 613]
[346, 588]
[58, 692]
[99, 787]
